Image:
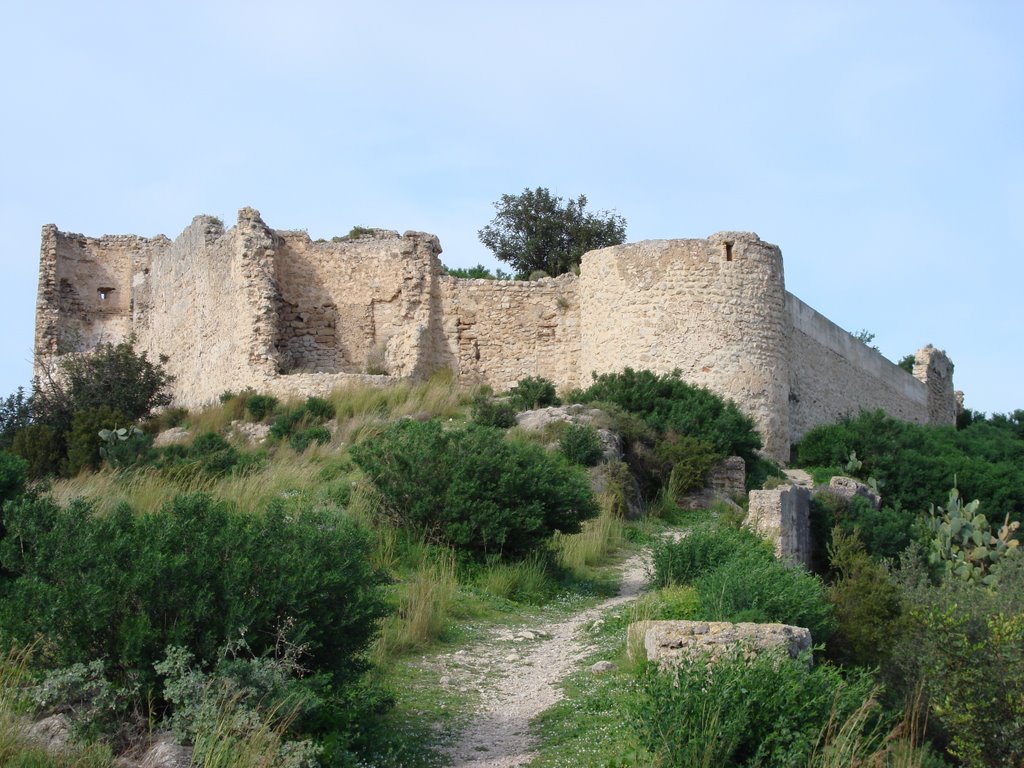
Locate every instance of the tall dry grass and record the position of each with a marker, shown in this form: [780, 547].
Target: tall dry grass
[147, 490]
[599, 537]
[424, 604]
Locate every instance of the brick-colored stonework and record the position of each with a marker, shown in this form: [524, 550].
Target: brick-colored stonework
[255, 307]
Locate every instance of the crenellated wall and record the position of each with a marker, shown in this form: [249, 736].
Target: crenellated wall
[279, 312]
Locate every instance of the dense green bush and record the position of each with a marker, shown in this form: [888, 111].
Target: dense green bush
[867, 605]
[122, 587]
[13, 474]
[15, 414]
[752, 588]
[260, 406]
[111, 375]
[488, 412]
[667, 402]
[885, 532]
[84, 438]
[580, 444]
[704, 548]
[301, 440]
[533, 392]
[740, 711]
[208, 455]
[42, 447]
[917, 464]
[473, 489]
[319, 409]
[685, 462]
[964, 642]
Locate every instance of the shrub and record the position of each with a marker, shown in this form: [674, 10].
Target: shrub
[866, 602]
[288, 422]
[533, 392]
[884, 532]
[753, 588]
[667, 402]
[300, 441]
[964, 643]
[260, 406]
[473, 489]
[685, 462]
[13, 474]
[580, 444]
[122, 587]
[740, 711]
[42, 448]
[15, 415]
[703, 549]
[114, 376]
[917, 464]
[319, 409]
[84, 438]
[488, 412]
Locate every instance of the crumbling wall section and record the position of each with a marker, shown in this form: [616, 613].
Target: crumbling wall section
[497, 332]
[199, 302]
[86, 293]
[934, 369]
[359, 305]
[714, 309]
[833, 374]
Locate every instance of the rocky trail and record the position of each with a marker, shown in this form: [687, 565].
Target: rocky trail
[518, 672]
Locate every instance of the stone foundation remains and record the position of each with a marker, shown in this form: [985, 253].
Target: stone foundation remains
[256, 307]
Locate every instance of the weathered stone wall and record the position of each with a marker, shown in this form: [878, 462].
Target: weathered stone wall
[356, 305]
[832, 374]
[274, 310]
[714, 309]
[497, 332]
[198, 301]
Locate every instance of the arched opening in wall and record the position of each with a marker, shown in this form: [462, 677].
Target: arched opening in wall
[728, 250]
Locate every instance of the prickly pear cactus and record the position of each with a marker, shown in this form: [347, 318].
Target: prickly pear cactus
[963, 542]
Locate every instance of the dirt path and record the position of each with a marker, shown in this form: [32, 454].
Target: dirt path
[518, 672]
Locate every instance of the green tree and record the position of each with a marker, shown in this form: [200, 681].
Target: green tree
[535, 231]
[112, 375]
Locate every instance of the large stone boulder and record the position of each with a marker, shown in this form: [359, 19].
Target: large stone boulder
[847, 488]
[667, 642]
[540, 418]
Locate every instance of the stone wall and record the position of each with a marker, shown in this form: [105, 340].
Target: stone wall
[833, 374]
[714, 309]
[497, 332]
[274, 310]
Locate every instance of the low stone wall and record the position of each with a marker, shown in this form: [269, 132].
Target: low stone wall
[667, 642]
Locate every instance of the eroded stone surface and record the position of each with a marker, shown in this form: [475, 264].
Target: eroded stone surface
[847, 488]
[783, 516]
[665, 642]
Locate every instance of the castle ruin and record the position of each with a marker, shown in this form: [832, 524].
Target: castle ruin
[273, 310]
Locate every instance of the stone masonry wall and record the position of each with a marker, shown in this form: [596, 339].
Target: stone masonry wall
[276, 311]
[832, 374]
[714, 309]
[497, 332]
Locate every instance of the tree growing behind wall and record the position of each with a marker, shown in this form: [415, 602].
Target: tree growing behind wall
[535, 231]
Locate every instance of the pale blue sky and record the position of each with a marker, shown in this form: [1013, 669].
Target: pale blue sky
[880, 144]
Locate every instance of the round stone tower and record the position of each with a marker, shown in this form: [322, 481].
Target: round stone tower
[714, 309]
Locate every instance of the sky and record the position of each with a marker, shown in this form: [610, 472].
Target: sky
[879, 144]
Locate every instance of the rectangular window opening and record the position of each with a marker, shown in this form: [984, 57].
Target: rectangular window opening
[728, 250]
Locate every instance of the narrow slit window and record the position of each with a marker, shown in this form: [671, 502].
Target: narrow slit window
[728, 250]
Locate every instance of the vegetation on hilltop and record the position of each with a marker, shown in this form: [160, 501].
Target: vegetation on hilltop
[265, 603]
